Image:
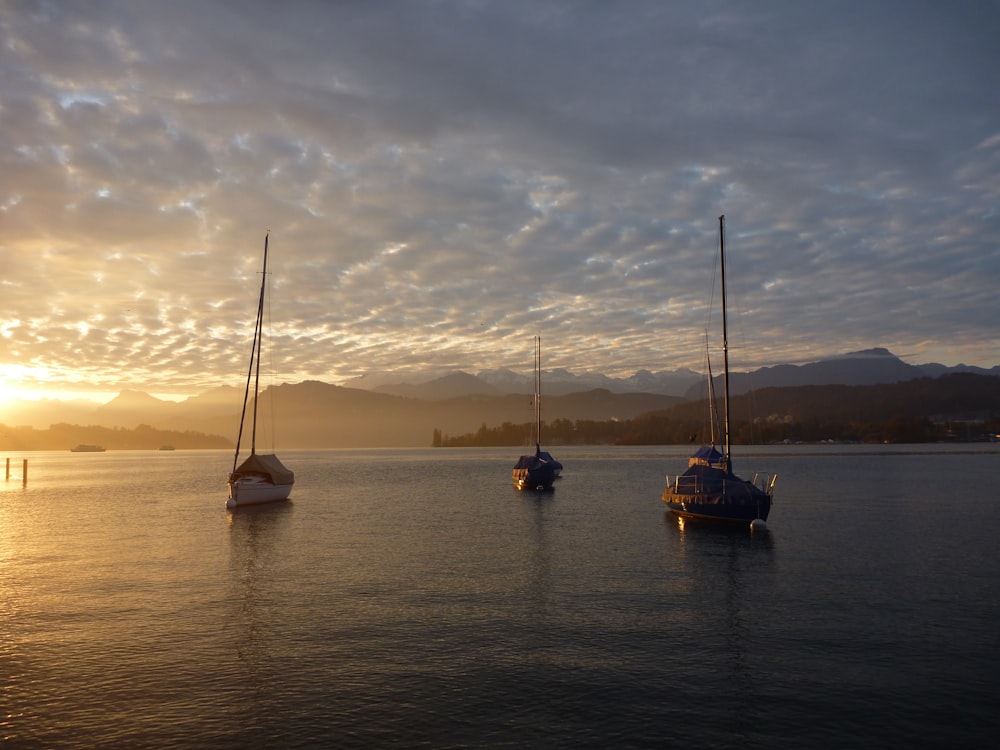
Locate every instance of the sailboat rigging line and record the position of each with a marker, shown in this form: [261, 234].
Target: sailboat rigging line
[538, 393]
[713, 412]
[749, 389]
[271, 370]
[260, 336]
[725, 338]
[254, 357]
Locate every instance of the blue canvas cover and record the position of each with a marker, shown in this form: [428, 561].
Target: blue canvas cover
[710, 484]
[708, 454]
[533, 471]
[546, 456]
[531, 463]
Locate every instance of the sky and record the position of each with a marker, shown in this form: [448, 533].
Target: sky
[443, 180]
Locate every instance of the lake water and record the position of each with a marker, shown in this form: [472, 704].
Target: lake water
[414, 599]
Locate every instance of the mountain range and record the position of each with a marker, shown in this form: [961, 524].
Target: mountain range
[397, 414]
[867, 367]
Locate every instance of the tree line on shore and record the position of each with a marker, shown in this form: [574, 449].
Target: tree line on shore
[65, 436]
[953, 407]
[660, 429]
[958, 407]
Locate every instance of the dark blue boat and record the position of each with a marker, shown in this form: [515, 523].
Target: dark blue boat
[546, 456]
[533, 472]
[538, 471]
[709, 489]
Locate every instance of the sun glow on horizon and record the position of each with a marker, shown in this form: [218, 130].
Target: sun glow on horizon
[15, 379]
[19, 383]
[12, 394]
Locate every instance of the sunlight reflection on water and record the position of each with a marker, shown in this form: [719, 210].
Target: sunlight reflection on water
[413, 597]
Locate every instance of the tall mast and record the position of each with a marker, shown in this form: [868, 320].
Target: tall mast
[258, 343]
[725, 340]
[254, 355]
[538, 394]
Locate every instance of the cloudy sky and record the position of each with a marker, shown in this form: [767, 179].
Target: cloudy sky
[442, 180]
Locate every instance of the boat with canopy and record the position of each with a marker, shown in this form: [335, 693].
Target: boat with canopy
[709, 489]
[539, 470]
[261, 478]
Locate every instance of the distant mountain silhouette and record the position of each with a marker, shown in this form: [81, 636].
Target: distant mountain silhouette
[447, 386]
[935, 370]
[558, 382]
[43, 412]
[130, 408]
[320, 415]
[222, 400]
[312, 414]
[952, 396]
[868, 367]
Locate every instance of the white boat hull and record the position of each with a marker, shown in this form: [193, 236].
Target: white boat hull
[261, 478]
[254, 491]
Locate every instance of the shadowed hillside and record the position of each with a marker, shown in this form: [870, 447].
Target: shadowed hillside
[319, 415]
[314, 414]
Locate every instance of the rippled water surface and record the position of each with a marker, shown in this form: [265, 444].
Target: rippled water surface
[415, 599]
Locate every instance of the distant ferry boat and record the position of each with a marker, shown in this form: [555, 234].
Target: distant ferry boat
[166, 447]
[87, 448]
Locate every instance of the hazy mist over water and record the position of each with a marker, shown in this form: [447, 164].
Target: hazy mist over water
[411, 598]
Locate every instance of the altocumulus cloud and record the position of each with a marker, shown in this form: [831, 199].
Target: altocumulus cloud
[443, 180]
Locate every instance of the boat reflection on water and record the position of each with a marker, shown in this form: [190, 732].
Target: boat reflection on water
[255, 544]
[725, 570]
[694, 528]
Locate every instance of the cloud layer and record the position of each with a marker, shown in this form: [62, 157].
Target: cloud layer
[443, 180]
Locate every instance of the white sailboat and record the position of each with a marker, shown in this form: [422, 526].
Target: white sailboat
[261, 478]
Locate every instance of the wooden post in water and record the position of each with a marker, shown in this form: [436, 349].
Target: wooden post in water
[24, 472]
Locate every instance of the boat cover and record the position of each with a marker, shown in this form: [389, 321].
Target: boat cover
[546, 456]
[708, 453]
[532, 463]
[712, 481]
[532, 471]
[268, 465]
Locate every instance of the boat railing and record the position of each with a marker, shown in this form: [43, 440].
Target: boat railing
[765, 482]
[692, 484]
[684, 482]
